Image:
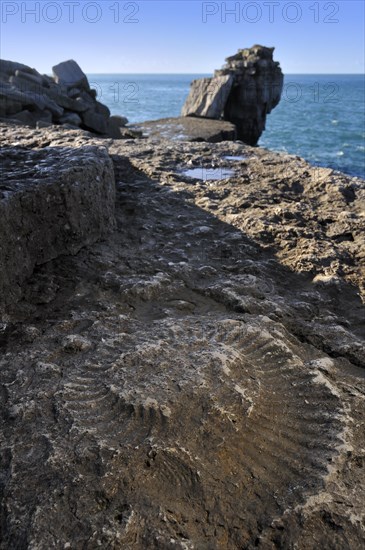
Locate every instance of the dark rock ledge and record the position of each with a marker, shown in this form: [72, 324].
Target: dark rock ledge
[188, 129]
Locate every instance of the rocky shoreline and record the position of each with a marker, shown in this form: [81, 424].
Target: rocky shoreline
[233, 103]
[66, 99]
[195, 378]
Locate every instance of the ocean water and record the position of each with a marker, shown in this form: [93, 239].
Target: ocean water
[320, 117]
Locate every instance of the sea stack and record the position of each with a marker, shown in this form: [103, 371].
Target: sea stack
[243, 92]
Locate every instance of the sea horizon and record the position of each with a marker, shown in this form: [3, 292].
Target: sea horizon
[187, 74]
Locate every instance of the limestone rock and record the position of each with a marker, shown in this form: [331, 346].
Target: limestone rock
[208, 96]
[52, 202]
[70, 74]
[32, 118]
[10, 67]
[102, 110]
[71, 118]
[13, 100]
[43, 102]
[10, 103]
[29, 97]
[78, 105]
[95, 121]
[121, 121]
[31, 77]
[116, 126]
[252, 89]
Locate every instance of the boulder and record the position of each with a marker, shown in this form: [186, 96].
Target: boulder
[25, 94]
[208, 96]
[77, 105]
[93, 93]
[74, 92]
[31, 118]
[95, 121]
[23, 84]
[10, 94]
[119, 120]
[9, 106]
[247, 88]
[52, 201]
[114, 129]
[11, 101]
[115, 124]
[87, 97]
[70, 74]
[71, 118]
[9, 68]
[26, 117]
[34, 78]
[102, 109]
[42, 102]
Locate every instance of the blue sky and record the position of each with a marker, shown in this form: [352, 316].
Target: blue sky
[183, 36]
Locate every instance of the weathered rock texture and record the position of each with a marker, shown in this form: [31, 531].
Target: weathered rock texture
[187, 129]
[208, 96]
[247, 88]
[194, 381]
[38, 100]
[52, 201]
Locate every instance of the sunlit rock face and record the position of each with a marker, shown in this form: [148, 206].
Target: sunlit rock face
[243, 92]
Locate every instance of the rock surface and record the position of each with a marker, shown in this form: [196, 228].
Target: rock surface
[247, 89]
[34, 99]
[195, 381]
[187, 129]
[70, 74]
[52, 202]
[208, 96]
